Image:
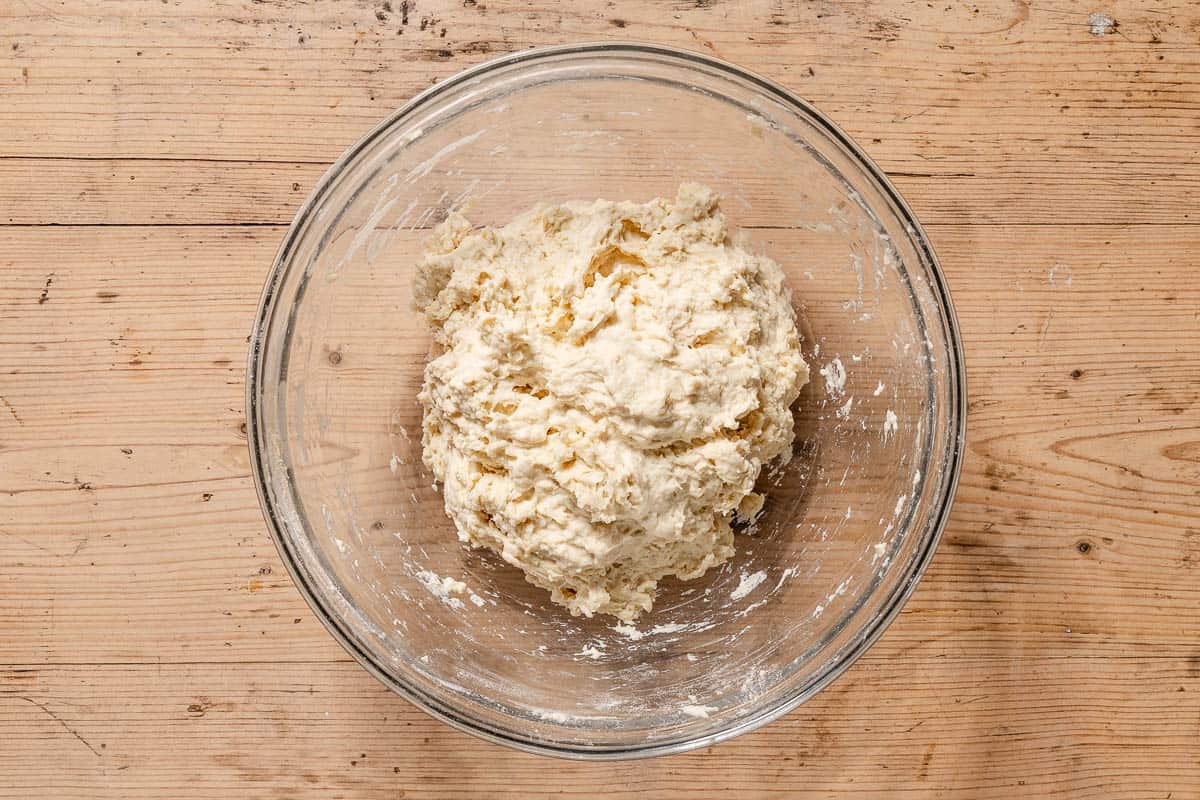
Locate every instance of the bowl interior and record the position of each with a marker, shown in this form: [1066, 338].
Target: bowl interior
[849, 522]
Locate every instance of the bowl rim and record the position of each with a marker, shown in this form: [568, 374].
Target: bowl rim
[957, 410]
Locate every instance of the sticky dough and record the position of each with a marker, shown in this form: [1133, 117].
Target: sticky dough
[608, 380]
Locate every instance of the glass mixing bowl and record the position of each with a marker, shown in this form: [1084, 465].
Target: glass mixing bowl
[336, 361]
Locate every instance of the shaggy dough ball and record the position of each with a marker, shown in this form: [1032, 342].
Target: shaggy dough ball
[609, 379]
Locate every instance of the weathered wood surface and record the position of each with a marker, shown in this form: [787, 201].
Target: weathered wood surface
[150, 157]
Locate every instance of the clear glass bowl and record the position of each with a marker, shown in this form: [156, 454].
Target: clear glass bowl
[336, 361]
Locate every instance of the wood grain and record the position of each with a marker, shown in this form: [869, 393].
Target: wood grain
[970, 109]
[151, 155]
[1089, 728]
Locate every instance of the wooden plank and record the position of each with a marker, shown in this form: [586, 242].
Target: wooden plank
[1079, 727]
[49, 191]
[1074, 530]
[122, 191]
[981, 117]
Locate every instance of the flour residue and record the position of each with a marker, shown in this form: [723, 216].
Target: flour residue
[695, 708]
[698, 711]
[1060, 272]
[443, 588]
[834, 374]
[629, 631]
[891, 424]
[747, 584]
[1101, 24]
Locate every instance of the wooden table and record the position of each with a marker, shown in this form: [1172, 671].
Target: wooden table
[151, 157]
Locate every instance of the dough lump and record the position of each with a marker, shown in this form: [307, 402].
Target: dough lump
[608, 380]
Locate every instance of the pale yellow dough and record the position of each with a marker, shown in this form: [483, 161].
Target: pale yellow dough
[609, 379]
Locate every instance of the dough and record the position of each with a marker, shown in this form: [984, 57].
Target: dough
[608, 381]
